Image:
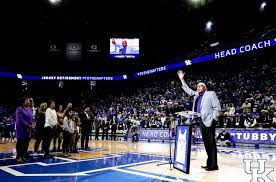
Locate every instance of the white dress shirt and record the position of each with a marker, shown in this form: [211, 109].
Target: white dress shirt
[51, 118]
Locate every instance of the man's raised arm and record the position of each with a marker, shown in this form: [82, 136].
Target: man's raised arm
[115, 44]
[185, 87]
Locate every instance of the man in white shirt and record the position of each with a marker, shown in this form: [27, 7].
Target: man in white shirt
[50, 123]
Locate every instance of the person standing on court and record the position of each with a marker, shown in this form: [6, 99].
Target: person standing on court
[114, 127]
[68, 126]
[86, 126]
[24, 119]
[207, 104]
[97, 123]
[105, 128]
[39, 126]
[50, 123]
[58, 130]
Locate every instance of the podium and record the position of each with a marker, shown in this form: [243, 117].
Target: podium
[183, 137]
[190, 116]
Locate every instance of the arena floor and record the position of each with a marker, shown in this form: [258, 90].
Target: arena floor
[125, 161]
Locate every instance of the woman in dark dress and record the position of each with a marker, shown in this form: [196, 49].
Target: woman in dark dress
[58, 129]
[39, 128]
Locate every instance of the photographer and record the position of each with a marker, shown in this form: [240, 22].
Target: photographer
[223, 139]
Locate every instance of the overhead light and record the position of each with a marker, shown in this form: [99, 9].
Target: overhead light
[55, 2]
[263, 5]
[60, 84]
[208, 26]
[198, 3]
[19, 76]
[214, 44]
[195, 1]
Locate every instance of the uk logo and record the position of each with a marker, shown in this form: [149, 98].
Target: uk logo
[260, 173]
[188, 62]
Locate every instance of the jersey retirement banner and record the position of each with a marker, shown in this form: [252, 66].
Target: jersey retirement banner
[182, 148]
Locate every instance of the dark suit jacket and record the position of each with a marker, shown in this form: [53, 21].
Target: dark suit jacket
[96, 123]
[105, 125]
[86, 123]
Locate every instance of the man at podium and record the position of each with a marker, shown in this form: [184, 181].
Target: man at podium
[207, 104]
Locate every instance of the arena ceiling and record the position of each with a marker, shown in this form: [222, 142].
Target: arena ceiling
[169, 30]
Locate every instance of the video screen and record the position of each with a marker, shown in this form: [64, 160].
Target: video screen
[124, 47]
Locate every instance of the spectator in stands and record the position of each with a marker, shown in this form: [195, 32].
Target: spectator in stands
[274, 120]
[163, 120]
[120, 125]
[153, 122]
[230, 114]
[237, 122]
[158, 123]
[246, 106]
[24, 119]
[250, 122]
[5, 130]
[39, 126]
[7, 126]
[223, 139]
[86, 126]
[50, 123]
[173, 126]
[2, 130]
[256, 115]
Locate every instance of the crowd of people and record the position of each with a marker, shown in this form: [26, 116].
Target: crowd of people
[247, 98]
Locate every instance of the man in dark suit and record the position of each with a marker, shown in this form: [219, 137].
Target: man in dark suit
[105, 128]
[86, 126]
[113, 128]
[97, 124]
